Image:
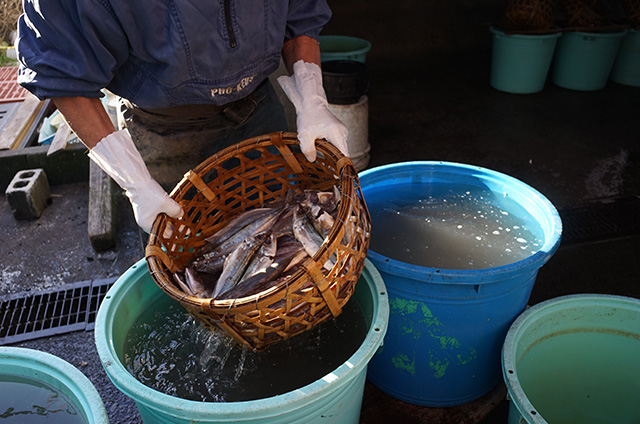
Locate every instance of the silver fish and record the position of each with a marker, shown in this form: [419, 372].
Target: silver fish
[283, 225]
[306, 234]
[237, 262]
[288, 246]
[268, 277]
[182, 285]
[263, 258]
[329, 200]
[237, 224]
[218, 249]
[211, 249]
[196, 283]
[299, 257]
[262, 247]
[210, 263]
[322, 221]
[260, 225]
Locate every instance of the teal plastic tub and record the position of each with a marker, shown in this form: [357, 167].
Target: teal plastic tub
[57, 374]
[583, 60]
[520, 63]
[336, 398]
[447, 326]
[575, 359]
[342, 47]
[626, 68]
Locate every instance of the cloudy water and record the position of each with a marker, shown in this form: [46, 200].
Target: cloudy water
[585, 376]
[167, 350]
[450, 226]
[28, 401]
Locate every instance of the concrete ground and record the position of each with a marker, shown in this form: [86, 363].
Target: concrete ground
[571, 146]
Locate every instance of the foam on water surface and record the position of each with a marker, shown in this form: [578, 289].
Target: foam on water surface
[450, 226]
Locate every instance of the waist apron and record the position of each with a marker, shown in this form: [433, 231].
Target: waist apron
[175, 140]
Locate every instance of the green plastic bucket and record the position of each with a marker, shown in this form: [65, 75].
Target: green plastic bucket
[56, 373]
[341, 47]
[626, 68]
[583, 60]
[575, 359]
[520, 63]
[336, 398]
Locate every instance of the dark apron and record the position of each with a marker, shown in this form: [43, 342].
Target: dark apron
[175, 140]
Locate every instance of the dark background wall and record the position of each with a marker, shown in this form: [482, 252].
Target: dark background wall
[412, 29]
[415, 29]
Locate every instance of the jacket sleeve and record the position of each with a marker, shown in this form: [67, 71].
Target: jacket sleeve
[307, 17]
[68, 47]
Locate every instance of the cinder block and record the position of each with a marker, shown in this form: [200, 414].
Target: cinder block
[28, 193]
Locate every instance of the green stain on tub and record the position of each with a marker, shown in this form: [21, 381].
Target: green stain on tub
[403, 306]
[465, 359]
[402, 361]
[429, 319]
[438, 365]
[415, 318]
[404, 309]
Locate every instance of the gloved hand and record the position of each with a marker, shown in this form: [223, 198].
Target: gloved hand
[314, 119]
[118, 157]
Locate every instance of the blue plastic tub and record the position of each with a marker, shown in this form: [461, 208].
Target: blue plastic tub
[447, 326]
[583, 60]
[342, 47]
[626, 68]
[520, 62]
[336, 398]
[575, 359]
[57, 374]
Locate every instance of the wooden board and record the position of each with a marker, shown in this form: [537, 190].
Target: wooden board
[60, 139]
[102, 217]
[24, 122]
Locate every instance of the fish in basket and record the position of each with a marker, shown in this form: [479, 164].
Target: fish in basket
[269, 246]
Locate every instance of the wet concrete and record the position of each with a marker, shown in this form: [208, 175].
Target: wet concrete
[571, 146]
[55, 249]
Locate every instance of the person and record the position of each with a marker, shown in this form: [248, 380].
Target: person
[192, 75]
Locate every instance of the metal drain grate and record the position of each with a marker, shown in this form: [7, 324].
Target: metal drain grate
[71, 307]
[601, 219]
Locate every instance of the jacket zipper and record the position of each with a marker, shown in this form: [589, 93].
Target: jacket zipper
[227, 18]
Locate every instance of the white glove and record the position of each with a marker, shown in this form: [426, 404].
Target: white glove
[314, 119]
[118, 157]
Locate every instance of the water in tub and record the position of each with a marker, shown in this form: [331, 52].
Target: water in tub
[166, 349]
[28, 401]
[451, 227]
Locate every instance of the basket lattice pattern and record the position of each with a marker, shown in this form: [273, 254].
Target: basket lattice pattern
[587, 13]
[528, 15]
[249, 175]
[632, 9]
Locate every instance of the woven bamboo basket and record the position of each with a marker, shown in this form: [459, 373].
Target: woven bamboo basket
[632, 9]
[587, 13]
[249, 175]
[528, 15]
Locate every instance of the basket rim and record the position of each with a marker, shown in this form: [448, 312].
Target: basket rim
[347, 174]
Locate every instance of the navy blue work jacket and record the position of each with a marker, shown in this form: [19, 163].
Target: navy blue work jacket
[158, 53]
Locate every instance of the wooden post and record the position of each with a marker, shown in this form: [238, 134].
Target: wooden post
[102, 207]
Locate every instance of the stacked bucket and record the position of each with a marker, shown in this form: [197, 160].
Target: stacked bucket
[582, 53]
[345, 79]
